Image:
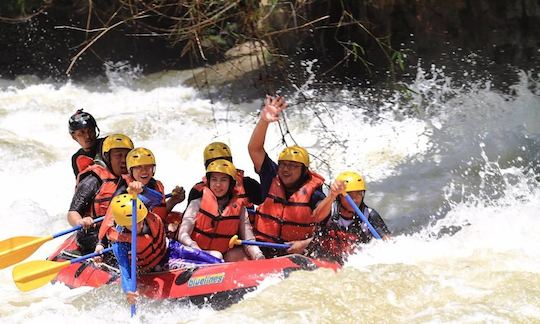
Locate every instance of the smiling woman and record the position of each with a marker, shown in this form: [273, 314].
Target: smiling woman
[210, 221]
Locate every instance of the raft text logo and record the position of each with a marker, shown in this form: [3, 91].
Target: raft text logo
[206, 280]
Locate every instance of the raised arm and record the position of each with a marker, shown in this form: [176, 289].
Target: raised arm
[270, 113]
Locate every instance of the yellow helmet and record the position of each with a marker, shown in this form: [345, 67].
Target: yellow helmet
[116, 141]
[216, 150]
[140, 156]
[122, 210]
[353, 181]
[295, 153]
[222, 166]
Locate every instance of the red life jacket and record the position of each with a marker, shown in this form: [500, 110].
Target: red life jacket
[213, 229]
[109, 185]
[335, 242]
[83, 162]
[280, 220]
[151, 246]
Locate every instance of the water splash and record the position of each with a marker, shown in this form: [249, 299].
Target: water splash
[454, 166]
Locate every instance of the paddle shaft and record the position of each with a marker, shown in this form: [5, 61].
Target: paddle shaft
[362, 216]
[75, 228]
[133, 251]
[265, 244]
[89, 256]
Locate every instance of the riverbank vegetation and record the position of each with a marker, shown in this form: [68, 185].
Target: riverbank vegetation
[348, 37]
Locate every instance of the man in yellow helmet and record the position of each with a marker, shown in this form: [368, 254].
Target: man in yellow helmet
[293, 200]
[343, 231]
[248, 188]
[96, 186]
[141, 166]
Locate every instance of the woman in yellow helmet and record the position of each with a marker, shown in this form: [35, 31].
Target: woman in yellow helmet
[248, 188]
[342, 233]
[141, 165]
[210, 221]
[293, 200]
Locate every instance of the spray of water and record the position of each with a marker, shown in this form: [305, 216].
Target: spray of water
[452, 167]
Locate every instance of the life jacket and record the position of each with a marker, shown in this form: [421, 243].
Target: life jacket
[161, 209]
[213, 229]
[280, 220]
[107, 225]
[238, 188]
[109, 185]
[335, 242]
[83, 162]
[151, 244]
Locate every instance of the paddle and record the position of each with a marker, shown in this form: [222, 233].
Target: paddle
[235, 241]
[362, 217]
[16, 249]
[157, 194]
[133, 250]
[35, 274]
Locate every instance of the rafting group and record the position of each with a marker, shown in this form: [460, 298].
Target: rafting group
[286, 212]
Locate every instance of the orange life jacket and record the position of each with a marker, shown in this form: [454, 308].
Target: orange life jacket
[280, 220]
[238, 188]
[108, 222]
[109, 185]
[151, 246]
[213, 229]
[160, 210]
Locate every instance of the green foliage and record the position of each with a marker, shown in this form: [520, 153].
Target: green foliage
[205, 30]
[398, 58]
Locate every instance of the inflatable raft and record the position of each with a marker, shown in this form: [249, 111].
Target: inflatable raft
[218, 284]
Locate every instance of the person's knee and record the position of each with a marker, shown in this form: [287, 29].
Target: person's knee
[236, 254]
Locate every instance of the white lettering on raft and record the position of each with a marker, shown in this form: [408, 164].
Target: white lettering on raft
[206, 280]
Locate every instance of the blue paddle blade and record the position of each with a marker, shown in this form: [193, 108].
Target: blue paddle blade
[150, 197]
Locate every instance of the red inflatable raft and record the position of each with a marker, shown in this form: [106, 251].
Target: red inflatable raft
[213, 283]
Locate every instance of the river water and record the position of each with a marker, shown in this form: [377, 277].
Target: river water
[451, 165]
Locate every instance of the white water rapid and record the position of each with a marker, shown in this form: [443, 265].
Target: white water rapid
[453, 169]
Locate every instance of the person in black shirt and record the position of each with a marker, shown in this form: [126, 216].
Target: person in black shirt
[343, 231]
[84, 130]
[293, 200]
[96, 185]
